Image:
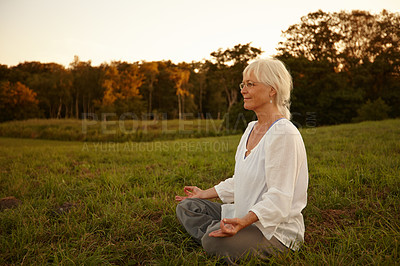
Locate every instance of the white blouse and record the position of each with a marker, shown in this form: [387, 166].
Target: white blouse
[272, 182]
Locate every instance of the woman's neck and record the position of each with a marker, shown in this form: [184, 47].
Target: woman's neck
[267, 117]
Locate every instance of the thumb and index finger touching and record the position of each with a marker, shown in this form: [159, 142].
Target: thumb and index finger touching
[188, 191]
[189, 188]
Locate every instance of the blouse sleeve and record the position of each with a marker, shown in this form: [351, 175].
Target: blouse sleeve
[225, 190]
[284, 155]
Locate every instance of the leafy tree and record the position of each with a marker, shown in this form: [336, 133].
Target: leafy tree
[341, 60]
[180, 76]
[376, 110]
[51, 82]
[314, 38]
[17, 102]
[150, 72]
[228, 68]
[164, 94]
[198, 77]
[4, 73]
[86, 87]
[121, 84]
[215, 102]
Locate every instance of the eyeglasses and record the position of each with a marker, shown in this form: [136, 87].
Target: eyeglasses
[249, 85]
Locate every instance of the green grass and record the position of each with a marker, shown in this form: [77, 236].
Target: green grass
[120, 198]
[117, 131]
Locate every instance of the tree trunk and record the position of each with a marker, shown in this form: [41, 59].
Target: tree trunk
[183, 103]
[232, 96]
[179, 107]
[150, 100]
[59, 110]
[201, 99]
[66, 111]
[84, 105]
[150, 105]
[77, 106]
[88, 103]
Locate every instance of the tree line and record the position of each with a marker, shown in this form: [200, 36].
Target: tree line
[34, 89]
[345, 67]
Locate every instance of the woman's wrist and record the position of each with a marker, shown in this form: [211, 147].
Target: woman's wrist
[249, 219]
[202, 194]
[210, 193]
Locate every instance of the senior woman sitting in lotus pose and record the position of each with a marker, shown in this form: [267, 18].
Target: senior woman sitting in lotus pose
[262, 201]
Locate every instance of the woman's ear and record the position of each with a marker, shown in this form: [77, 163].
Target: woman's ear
[272, 92]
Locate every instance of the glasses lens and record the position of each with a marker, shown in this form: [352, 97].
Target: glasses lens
[241, 86]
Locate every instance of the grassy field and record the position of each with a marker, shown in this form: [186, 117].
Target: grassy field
[117, 131]
[113, 203]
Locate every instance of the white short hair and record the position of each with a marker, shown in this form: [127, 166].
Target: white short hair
[273, 72]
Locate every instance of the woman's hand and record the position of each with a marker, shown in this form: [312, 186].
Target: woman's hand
[191, 192]
[228, 227]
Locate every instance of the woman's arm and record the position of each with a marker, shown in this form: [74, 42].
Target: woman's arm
[287, 178]
[195, 192]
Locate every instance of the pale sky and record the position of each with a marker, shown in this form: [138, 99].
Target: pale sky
[151, 30]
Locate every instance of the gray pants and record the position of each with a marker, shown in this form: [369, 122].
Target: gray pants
[200, 217]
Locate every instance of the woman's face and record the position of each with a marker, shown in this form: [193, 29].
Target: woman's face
[257, 96]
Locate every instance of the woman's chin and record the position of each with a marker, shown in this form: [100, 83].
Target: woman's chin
[247, 106]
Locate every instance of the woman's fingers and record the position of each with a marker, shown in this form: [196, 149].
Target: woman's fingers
[220, 233]
[179, 198]
[190, 191]
[217, 233]
[230, 221]
[228, 227]
[189, 188]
